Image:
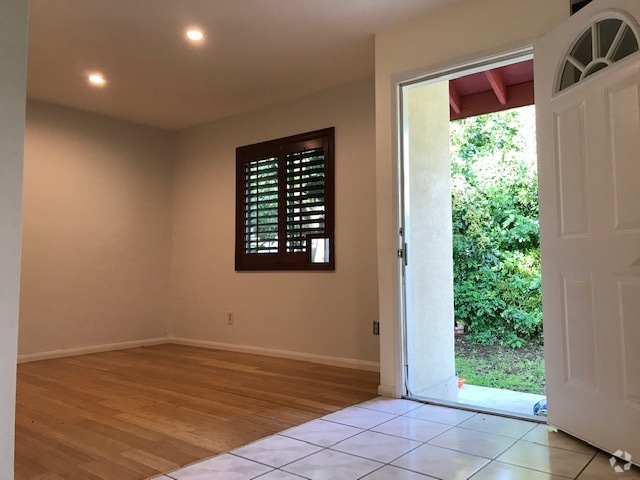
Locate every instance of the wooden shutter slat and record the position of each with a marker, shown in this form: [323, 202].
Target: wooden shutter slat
[304, 205]
[305, 169]
[300, 199]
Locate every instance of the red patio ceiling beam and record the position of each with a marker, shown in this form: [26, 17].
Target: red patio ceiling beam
[486, 102]
[497, 84]
[454, 99]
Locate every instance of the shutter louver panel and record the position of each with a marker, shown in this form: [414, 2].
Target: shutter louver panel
[261, 206]
[305, 197]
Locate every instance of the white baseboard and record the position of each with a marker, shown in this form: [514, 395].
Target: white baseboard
[72, 352]
[306, 357]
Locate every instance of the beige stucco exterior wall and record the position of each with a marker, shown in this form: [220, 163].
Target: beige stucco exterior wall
[327, 314]
[467, 31]
[97, 231]
[428, 224]
[13, 56]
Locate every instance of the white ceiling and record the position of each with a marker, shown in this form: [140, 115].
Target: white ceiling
[257, 52]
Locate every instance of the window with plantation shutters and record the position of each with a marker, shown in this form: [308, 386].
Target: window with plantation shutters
[285, 203]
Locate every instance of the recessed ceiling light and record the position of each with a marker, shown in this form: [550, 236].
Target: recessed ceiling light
[96, 79]
[195, 35]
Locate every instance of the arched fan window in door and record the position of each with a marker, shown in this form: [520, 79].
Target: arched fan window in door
[604, 43]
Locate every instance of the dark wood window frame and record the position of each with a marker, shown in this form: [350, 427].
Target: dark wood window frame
[282, 208]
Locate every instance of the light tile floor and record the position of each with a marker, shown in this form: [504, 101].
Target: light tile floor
[387, 439]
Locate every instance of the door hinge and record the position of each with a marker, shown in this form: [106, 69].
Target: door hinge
[407, 382]
[404, 253]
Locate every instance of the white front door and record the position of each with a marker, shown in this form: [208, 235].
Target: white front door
[587, 75]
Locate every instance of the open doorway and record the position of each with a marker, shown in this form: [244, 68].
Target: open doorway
[499, 353]
[472, 276]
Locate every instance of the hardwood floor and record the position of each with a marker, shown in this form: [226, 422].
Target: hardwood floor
[132, 414]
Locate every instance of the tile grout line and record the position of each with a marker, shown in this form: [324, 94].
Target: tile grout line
[588, 463]
[566, 449]
[532, 469]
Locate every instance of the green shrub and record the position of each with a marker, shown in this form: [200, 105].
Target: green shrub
[496, 235]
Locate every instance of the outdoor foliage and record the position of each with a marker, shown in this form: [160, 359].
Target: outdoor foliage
[499, 366]
[495, 228]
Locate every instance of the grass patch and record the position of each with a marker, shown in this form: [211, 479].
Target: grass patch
[497, 366]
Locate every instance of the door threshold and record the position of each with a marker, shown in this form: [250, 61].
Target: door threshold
[478, 409]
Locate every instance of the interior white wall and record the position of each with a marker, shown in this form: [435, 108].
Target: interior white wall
[322, 313]
[97, 231]
[464, 32]
[13, 38]
[102, 197]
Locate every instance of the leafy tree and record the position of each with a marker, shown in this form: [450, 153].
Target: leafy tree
[496, 235]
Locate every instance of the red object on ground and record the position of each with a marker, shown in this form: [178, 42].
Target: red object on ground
[461, 382]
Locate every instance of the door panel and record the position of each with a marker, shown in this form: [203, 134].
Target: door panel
[629, 307]
[572, 171]
[623, 101]
[589, 176]
[579, 328]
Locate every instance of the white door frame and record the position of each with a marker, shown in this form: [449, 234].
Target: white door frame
[430, 76]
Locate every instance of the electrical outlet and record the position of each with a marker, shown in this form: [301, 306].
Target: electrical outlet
[376, 328]
[230, 318]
